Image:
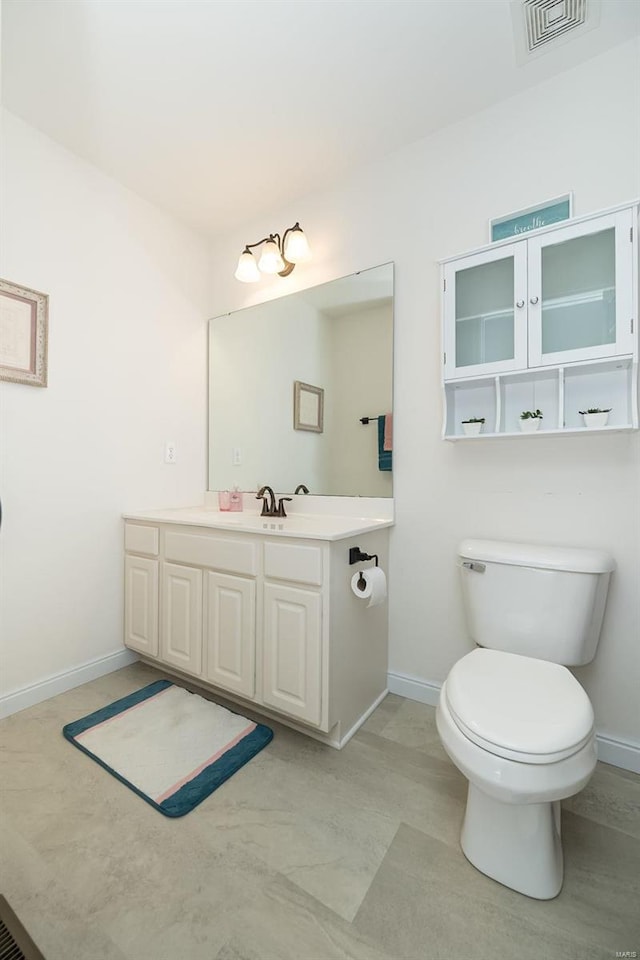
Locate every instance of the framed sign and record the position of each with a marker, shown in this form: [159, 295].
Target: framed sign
[532, 218]
[308, 407]
[23, 334]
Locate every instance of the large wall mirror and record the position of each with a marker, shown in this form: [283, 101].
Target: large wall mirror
[289, 383]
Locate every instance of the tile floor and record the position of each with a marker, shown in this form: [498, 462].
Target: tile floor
[307, 853]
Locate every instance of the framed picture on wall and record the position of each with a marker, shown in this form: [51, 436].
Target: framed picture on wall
[24, 318]
[308, 407]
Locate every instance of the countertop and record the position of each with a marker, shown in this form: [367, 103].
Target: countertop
[306, 526]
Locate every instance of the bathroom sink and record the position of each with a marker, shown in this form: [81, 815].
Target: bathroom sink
[314, 526]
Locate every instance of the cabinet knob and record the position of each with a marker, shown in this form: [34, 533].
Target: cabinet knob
[533, 300]
[520, 304]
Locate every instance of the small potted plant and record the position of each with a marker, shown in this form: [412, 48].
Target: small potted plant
[473, 426]
[595, 416]
[530, 420]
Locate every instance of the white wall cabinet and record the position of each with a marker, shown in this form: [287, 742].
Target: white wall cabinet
[580, 287]
[268, 621]
[485, 312]
[544, 323]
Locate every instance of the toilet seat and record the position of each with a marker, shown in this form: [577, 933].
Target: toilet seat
[523, 709]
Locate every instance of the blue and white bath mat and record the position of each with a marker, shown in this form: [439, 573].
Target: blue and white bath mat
[171, 747]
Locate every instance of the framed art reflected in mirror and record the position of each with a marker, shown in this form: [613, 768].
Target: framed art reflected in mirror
[308, 407]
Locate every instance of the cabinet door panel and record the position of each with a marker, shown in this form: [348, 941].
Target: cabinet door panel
[485, 312]
[230, 634]
[141, 605]
[292, 662]
[181, 631]
[580, 282]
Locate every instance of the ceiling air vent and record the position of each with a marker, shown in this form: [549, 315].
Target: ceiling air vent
[540, 24]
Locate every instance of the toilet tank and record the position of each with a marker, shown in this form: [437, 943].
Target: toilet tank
[538, 601]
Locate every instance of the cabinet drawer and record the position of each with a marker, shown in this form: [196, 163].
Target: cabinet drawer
[223, 553]
[293, 561]
[139, 539]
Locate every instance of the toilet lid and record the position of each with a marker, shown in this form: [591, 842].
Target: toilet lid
[519, 707]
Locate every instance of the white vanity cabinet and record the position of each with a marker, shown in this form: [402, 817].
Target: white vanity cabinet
[207, 622]
[546, 322]
[141, 589]
[292, 627]
[292, 651]
[181, 617]
[230, 650]
[270, 621]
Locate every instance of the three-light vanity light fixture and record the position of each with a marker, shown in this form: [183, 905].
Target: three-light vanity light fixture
[279, 255]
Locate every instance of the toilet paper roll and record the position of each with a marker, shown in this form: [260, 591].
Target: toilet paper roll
[375, 586]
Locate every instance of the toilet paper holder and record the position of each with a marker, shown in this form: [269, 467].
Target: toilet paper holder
[356, 555]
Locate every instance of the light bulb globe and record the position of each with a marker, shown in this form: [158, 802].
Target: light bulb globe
[247, 269]
[270, 260]
[296, 248]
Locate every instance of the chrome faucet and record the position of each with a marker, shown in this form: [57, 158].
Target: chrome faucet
[270, 509]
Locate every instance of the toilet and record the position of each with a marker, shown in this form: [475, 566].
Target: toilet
[511, 716]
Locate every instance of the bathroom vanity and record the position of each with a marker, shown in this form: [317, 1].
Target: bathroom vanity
[261, 611]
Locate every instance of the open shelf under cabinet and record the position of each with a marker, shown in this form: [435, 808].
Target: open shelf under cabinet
[559, 392]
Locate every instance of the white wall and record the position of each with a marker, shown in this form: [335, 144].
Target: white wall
[127, 369]
[578, 132]
[255, 357]
[361, 348]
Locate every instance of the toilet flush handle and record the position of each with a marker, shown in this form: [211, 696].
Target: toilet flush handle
[473, 565]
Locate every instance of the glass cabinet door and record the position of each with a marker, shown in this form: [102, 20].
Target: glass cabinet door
[485, 312]
[580, 280]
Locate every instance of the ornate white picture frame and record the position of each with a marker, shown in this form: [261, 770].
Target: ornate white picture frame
[24, 321]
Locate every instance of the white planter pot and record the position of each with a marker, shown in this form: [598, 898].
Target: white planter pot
[472, 429]
[530, 425]
[595, 419]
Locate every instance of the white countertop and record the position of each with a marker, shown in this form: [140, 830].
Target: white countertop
[307, 526]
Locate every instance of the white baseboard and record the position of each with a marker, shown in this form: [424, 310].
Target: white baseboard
[424, 691]
[363, 719]
[619, 753]
[61, 682]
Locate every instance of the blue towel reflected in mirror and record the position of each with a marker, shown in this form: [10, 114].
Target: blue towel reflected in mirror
[385, 457]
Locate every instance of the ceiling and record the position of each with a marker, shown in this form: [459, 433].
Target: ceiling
[221, 110]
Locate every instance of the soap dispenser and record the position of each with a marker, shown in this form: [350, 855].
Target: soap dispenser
[235, 500]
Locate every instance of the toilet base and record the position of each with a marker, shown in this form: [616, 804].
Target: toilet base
[517, 844]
